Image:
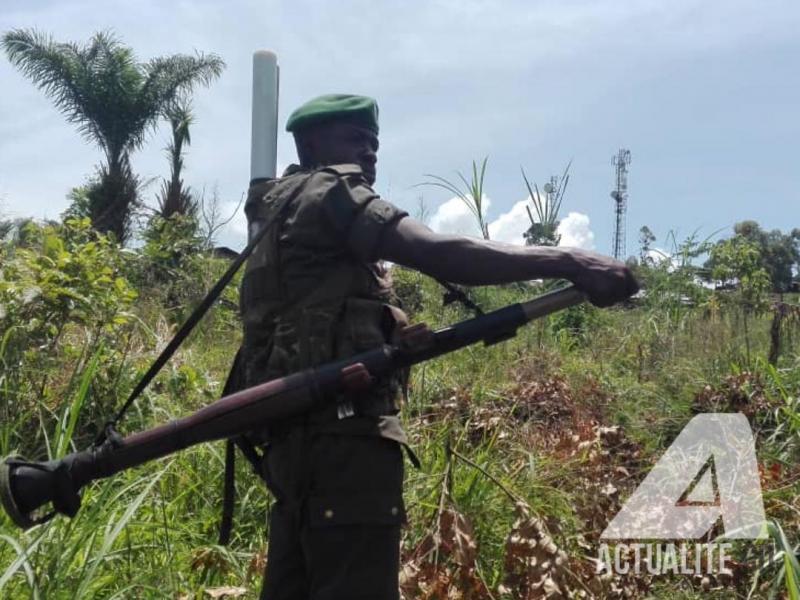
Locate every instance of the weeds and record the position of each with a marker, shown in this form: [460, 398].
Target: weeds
[528, 447]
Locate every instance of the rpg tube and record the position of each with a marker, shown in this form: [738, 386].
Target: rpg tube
[25, 487]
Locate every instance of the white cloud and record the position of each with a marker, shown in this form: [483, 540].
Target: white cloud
[454, 217]
[663, 258]
[575, 231]
[510, 226]
[657, 255]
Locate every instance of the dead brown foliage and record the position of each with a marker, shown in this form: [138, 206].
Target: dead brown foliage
[743, 392]
[443, 566]
[534, 566]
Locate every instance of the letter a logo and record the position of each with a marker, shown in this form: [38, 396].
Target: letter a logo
[711, 444]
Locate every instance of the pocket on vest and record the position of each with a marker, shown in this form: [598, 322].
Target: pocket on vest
[365, 325]
[303, 341]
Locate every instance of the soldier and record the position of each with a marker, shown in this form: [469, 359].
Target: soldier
[314, 292]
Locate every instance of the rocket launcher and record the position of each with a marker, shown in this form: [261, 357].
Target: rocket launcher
[26, 487]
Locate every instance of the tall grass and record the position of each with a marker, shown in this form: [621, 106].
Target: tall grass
[150, 532]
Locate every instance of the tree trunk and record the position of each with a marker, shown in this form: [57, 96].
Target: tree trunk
[112, 198]
[775, 336]
[746, 336]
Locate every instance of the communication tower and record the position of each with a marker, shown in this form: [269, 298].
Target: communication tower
[620, 196]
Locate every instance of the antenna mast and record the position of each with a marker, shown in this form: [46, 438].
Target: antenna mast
[620, 196]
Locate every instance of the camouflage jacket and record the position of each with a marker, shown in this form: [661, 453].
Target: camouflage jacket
[313, 291]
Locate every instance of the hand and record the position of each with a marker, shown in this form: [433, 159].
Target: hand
[604, 279]
[356, 378]
[414, 337]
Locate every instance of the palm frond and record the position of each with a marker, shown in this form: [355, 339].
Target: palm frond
[114, 78]
[54, 68]
[540, 205]
[165, 78]
[180, 117]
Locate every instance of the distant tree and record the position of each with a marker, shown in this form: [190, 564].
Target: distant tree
[6, 227]
[779, 253]
[78, 207]
[175, 197]
[738, 261]
[113, 100]
[646, 238]
[542, 234]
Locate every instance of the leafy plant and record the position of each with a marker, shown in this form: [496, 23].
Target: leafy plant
[780, 253]
[737, 263]
[171, 259]
[471, 194]
[113, 100]
[544, 228]
[63, 299]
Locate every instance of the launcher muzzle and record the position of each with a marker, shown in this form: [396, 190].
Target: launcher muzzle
[25, 487]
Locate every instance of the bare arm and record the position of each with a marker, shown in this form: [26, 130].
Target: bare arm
[472, 261]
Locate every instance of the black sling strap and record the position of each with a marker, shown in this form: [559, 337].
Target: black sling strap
[197, 314]
[233, 383]
[251, 453]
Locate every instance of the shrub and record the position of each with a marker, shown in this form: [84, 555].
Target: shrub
[63, 299]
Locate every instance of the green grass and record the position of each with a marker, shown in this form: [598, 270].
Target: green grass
[151, 532]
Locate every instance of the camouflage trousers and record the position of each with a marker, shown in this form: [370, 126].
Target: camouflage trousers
[334, 529]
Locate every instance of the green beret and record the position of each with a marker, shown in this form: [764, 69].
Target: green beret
[360, 110]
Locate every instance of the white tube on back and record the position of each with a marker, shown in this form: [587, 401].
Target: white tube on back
[264, 138]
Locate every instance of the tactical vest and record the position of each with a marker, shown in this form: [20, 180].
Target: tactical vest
[306, 299]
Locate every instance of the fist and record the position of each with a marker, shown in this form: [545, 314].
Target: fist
[604, 279]
[355, 378]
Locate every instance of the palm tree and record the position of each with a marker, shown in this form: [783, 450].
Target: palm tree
[114, 100]
[175, 197]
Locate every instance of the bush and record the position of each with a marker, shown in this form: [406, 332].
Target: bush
[63, 299]
[171, 262]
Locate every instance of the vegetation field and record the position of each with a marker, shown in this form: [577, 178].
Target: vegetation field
[528, 447]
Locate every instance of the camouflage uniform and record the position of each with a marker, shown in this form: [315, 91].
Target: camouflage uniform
[312, 293]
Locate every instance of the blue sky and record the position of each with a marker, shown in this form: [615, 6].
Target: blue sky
[705, 94]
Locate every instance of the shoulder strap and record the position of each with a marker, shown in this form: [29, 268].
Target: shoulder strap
[233, 384]
[197, 314]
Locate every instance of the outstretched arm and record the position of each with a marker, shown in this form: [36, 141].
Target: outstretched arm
[471, 261]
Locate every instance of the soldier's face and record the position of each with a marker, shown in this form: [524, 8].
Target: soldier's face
[338, 143]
